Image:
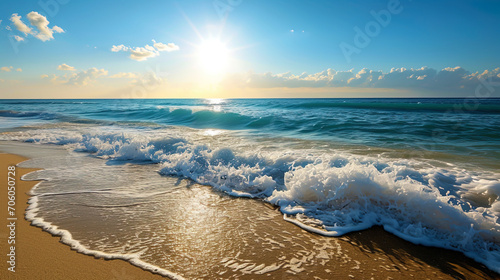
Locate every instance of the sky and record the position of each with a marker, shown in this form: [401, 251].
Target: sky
[249, 49]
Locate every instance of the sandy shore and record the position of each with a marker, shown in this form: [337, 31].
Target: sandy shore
[39, 255]
[369, 254]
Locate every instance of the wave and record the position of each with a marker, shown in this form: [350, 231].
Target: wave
[465, 106]
[178, 116]
[39, 115]
[198, 118]
[44, 101]
[331, 193]
[362, 121]
[48, 117]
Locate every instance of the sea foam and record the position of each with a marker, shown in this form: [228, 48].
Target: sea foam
[33, 216]
[327, 192]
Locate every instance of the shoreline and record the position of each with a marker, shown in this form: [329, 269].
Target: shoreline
[40, 255]
[376, 253]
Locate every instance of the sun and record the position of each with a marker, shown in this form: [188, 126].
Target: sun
[213, 56]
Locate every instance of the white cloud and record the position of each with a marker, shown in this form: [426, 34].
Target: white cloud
[44, 33]
[19, 70]
[0, 21]
[165, 47]
[339, 78]
[119, 48]
[143, 53]
[19, 24]
[42, 24]
[57, 29]
[6, 68]
[364, 78]
[18, 38]
[8, 28]
[81, 78]
[448, 77]
[65, 67]
[86, 77]
[402, 77]
[127, 75]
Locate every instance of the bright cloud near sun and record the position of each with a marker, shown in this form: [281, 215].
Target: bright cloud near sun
[143, 53]
[126, 75]
[79, 78]
[165, 47]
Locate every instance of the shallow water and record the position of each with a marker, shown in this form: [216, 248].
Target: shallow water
[183, 229]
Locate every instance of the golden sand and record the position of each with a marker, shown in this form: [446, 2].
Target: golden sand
[39, 255]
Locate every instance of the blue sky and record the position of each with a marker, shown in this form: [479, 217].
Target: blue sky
[243, 48]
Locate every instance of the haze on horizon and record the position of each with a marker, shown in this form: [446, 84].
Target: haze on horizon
[245, 49]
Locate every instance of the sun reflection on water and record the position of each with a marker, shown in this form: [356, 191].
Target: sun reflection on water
[215, 101]
[212, 132]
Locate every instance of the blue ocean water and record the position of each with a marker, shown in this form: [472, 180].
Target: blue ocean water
[426, 170]
[457, 126]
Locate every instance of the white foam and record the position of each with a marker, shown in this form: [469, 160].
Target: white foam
[66, 238]
[328, 193]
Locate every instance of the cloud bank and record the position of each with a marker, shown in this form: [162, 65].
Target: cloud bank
[126, 75]
[456, 78]
[83, 78]
[80, 78]
[143, 53]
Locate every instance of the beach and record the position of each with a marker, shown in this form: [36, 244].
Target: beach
[39, 255]
[295, 253]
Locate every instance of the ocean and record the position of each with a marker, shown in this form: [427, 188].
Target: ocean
[426, 170]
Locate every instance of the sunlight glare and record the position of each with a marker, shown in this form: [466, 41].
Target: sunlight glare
[212, 132]
[215, 101]
[213, 56]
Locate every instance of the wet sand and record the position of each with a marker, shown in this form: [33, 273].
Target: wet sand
[209, 235]
[39, 255]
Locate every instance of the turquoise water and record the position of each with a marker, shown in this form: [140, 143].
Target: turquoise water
[427, 170]
[457, 126]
